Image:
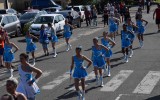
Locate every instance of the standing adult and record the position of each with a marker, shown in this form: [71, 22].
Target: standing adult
[2, 39]
[44, 40]
[157, 13]
[126, 15]
[148, 4]
[105, 16]
[94, 15]
[11, 86]
[87, 16]
[79, 71]
[27, 84]
[9, 55]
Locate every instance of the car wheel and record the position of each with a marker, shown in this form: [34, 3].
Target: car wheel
[79, 24]
[18, 32]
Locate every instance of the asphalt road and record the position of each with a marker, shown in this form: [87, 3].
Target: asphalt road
[136, 80]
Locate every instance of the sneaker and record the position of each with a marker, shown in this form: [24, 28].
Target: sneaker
[101, 81]
[55, 55]
[67, 49]
[70, 46]
[109, 73]
[126, 59]
[11, 73]
[131, 53]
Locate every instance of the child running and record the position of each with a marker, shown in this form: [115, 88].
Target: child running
[126, 41]
[9, 55]
[141, 29]
[54, 38]
[109, 43]
[79, 71]
[31, 47]
[98, 59]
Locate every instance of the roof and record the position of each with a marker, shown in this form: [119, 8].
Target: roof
[50, 14]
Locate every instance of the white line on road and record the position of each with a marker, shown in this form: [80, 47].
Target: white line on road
[120, 95]
[117, 80]
[148, 83]
[56, 82]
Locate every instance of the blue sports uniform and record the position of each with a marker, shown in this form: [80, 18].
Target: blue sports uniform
[125, 39]
[31, 47]
[140, 27]
[108, 53]
[131, 36]
[67, 31]
[112, 25]
[79, 72]
[98, 58]
[8, 55]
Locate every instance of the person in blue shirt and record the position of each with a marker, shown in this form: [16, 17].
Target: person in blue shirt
[54, 38]
[141, 29]
[44, 40]
[9, 54]
[126, 41]
[109, 43]
[67, 34]
[98, 59]
[131, 27]
[31, 47]
[79, 73]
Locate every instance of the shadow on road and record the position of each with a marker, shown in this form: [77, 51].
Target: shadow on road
[116, 59]
[115, 65]
[151, 33]
[92, 88]
[68, 95]
[154, 98]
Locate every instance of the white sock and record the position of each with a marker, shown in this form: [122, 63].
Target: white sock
[11, 73]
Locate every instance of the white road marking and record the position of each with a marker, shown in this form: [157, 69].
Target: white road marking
[56, 82]
[117, 80]
[148, 83]
[45, 74]
[88, 78]
[120, 95]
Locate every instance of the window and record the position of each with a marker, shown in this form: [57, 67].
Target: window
[60, 18]
[14, 18]
[10, 11]
[56, 19]
[44, 20]
[10, 19]
[4, 21]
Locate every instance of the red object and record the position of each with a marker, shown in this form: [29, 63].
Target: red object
[158, 13]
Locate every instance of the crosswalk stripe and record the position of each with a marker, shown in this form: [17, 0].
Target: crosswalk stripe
[116, 81]
[88, 78]
[56, 82]
[148, 83]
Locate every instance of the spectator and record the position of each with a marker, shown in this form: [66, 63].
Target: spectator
[148, 3]
[7, 97]
[157, 12]
[126, 15]
[11, 86]
[2, 39]
[105, 15]
[87, 16]
[94, 15]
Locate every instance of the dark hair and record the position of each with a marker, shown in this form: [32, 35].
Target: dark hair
[79, 48]
[7, 96]
[24, 55]
[49, 24]
[42, 26]
[13, 81]
[69, 12]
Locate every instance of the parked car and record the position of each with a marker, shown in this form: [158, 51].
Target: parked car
[30, 16]
[79, 9]
[11, 24]
[10, 11]
[74, 14]
[52, 9]
[40, 4]
[57, 20]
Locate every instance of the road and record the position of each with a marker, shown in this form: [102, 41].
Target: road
[136, 80]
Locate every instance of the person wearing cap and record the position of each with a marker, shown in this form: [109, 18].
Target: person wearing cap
[141, 29]
[125, 42]
[98, 59]
[157, 13]
[109, 43]
[79, 73]
[9, 54]
[11, 86]
[27, 84]
[31, 46]
[112, 26]
[67, 34]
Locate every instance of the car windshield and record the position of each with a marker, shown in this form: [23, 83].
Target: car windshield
[65, 14]
[28, 16]
[3, 12]
[44, 20]
[75, 8]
